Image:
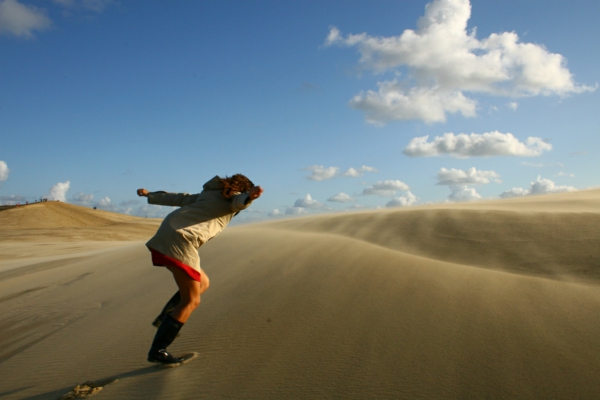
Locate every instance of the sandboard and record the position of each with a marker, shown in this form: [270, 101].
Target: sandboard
[186, 358]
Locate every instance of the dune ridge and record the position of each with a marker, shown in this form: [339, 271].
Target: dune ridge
[442, 301]
[544, 243]
[69, 221]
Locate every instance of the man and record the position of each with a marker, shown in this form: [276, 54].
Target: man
[175, 246]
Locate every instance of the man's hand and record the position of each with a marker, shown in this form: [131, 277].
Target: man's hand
[255, 192]
[144, 192]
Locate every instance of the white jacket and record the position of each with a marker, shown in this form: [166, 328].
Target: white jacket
[201, 217]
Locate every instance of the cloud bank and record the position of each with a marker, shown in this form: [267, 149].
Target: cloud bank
[356, 173]
[13, 199]
[539, 186]
[321, 173]
[472, 176]
[105, 202]
[459, 181]
[475, 145]
[446, 64]
[295, 211]
[308, 202]
[22, 20]
[275, 213]
[385, 188]
[83, 198]
[408, 199]
[341, 198]
[460, 193]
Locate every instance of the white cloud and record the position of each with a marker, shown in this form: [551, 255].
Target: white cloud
[514, 192]
[22, 20]
[561, 173]
[3, 171]
[392, 103]
[475, 145]
[445, 61]
[407, 200]
[471, 176]
[513, 105]
[124, 210]
[385, 188]
[295, 211]
[355, 173]
[539, 186]
[13, 199]
[254, 211]
[104, 203]
[308, 202]
[341, 198]
[463, 193]
[83, 198]
[320, 173]
[124, 207]
[59, 191]
[275, 213]
[543, 186]
[365, 168]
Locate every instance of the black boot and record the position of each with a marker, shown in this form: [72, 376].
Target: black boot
[170, 306]
[167, 332]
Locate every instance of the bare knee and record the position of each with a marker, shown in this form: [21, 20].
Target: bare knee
[204, 283]
[195, 302]
[192, 303]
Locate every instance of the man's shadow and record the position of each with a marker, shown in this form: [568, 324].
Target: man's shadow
[59, 393]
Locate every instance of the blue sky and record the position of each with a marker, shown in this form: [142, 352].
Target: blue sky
[329, 105]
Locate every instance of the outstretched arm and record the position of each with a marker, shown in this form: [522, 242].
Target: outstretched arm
[168, 199]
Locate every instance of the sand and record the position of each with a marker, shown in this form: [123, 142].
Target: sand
[497, 299]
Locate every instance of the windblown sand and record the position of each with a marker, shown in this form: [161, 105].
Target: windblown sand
[482, 300]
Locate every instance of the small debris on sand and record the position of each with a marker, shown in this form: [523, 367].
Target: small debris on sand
[86, 389]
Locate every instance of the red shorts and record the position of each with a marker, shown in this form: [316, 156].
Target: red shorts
[160, 260]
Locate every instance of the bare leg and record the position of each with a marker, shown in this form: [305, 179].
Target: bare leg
[190, 291]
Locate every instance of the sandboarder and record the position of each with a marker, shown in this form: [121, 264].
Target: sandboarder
[175, 246]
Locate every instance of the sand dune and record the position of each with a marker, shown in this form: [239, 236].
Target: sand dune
[540, 242]
[484, 300]
[60, 221]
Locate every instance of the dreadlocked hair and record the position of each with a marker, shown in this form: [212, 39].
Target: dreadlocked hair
[235, 184]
